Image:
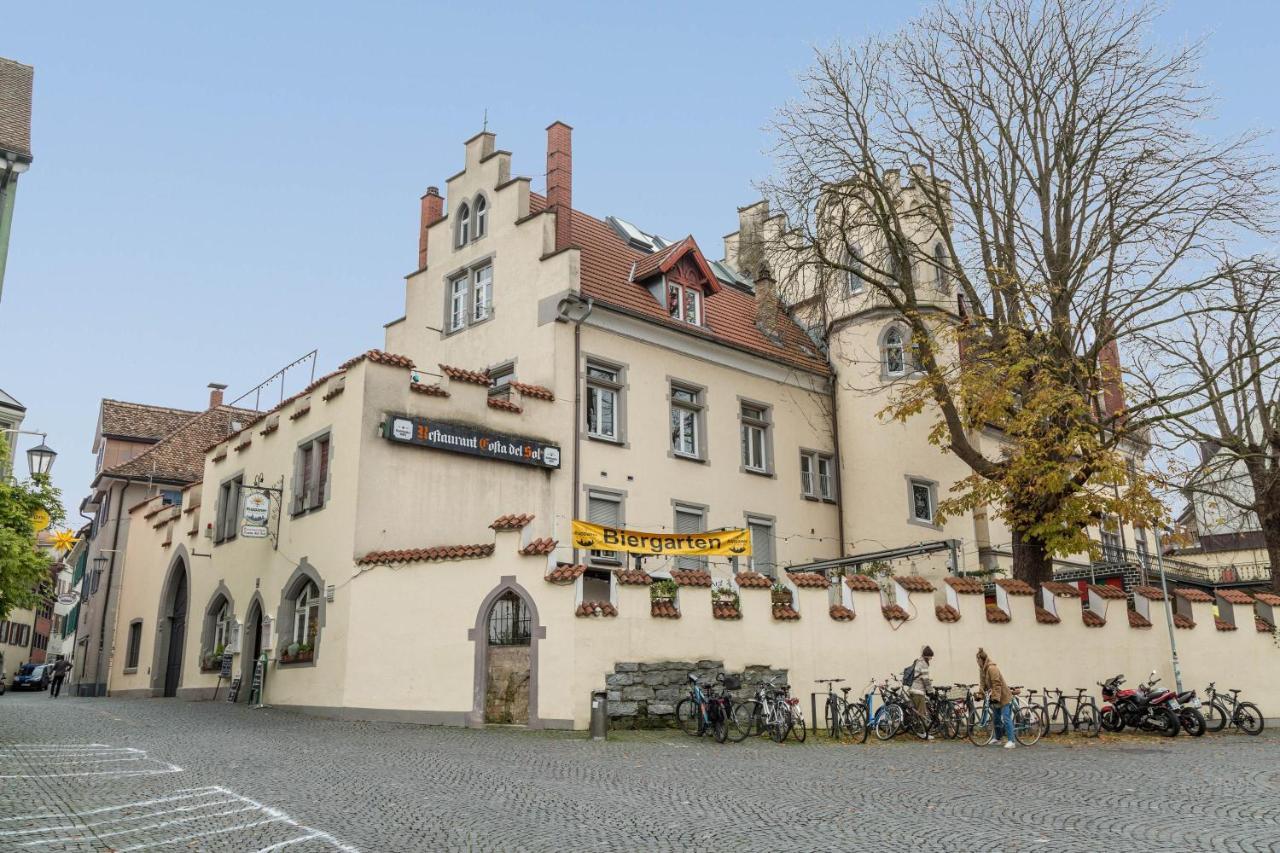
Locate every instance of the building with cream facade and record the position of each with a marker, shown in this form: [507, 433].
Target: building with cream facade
[395, 540]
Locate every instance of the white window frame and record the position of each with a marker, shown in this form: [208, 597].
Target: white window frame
[756, 423]
[464, 225]
[930, 489]
[686, 298]
[852, 281]
[227, 525]
[459, 286]
[221, 625]
[814, 483]
[469, 296]
[598, 387]
[500, 379]
[895, 341]
[306, 601]
[481, 293]
[482, 217]
[690, 414]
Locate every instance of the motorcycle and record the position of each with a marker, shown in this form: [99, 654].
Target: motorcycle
[1185, 705]
[1134, 709]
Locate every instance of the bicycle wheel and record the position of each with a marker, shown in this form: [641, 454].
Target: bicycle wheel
[982, 726]
[1248, 718]
[947, 724]
[1087, 720]
[832, 716]
[744, 720]
[1059, 718]
[689, 717]
[720, 726]
[779, 723]
[799, 729]
[1028, 725]
[855, 722]
[888, 722]
[1215, 716]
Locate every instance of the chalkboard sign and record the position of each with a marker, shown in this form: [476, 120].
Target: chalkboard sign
[255, 690]
[233, 692]
[226, 665]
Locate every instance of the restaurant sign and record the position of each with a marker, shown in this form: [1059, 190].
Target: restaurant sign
[464, 438]
[732, 542]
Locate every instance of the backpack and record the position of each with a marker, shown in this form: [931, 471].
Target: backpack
[909, 675]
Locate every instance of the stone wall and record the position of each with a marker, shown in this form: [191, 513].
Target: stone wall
[644, 695]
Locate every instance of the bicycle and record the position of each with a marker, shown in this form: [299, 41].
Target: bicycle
[788, 717]
[888, 719]
[1027, 725]
[755, 716]
[1056, 713]
[701, 713]
[1245, 716]
[841, 715]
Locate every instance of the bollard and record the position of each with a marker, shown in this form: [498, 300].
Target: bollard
[599, 715]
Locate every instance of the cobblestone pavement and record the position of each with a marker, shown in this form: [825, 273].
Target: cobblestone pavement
[104, 774]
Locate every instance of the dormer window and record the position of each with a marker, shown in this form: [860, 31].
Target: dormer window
[482, 217]
[464, 224]
[684, 303]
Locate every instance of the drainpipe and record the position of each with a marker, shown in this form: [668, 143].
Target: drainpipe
[106, 602]
[838, 461]
[565, 304]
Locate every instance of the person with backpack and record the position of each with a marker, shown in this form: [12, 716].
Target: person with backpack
[918, 683]
[60, 669]
[992, 683]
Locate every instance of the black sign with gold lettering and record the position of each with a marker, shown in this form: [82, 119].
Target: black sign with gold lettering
[464, 438]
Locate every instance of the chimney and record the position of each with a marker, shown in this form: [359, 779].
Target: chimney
[766, 303]
[1112, 386]
[432, 209]
[560, 180]
[215, 394]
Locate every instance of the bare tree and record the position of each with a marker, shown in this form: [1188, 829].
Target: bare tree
[1226, 426]
[1058, 188]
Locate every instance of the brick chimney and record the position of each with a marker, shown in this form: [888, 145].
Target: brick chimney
[560, 180]
[1112, 385]
[215, 394]
[432, 210]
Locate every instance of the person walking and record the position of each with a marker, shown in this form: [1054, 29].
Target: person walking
[992, 682]
[921, 684]
[60, 669]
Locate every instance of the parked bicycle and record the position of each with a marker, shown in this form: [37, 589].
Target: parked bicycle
[707, 709]
[843, 718]
[1245, 716]
[1060, 718]
[759, 715]
[1027, 723]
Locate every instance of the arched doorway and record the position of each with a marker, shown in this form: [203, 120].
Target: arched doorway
[251, 647]
[176, 619]
[507, 664]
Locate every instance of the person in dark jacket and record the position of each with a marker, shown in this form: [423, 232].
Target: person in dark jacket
[60, 669]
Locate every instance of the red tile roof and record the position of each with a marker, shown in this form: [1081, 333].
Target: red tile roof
[634, 577]
[752, 580]
[1180, 621]
[299, 412]
[421, 555]
[377, 356]
[861, 583]
[565, 573]
[269, 428]
[543, 546]
[730, 312]
[809, 580]
[512, 521]
[1262, 625]
[1103, 590]
[244, 445]
[1268, 598]
[914, 583]
[1152, 593]
[947, 613]
[1190, 593]
[1044, 617]
[536, 392]
[966, 586]
[664, 610]
[1091, 619]
[179, 456]
[1222, 625]
[1235, 596]
[139, 421]
[429, 390]
[1063, 589]
[894, 613]
[597, 608]
[840, 613]
[725, 610]
[333, 392]
[461, 374]
[995, 614]
[1137, 620]
[15, 107]
[505, 405]
[1013, 586]
[691, 577]
[785, 613]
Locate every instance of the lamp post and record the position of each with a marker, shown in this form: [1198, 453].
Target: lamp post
[1168, 610]
[39, 458]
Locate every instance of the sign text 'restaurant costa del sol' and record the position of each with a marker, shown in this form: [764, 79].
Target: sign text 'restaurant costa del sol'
[463, 438]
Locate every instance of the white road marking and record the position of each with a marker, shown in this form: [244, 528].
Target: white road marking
[183, 794]
[76, 827]
[200, 835]
[46, 757]
[298, 840]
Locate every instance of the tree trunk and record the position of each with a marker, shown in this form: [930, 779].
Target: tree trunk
[1271, 535]
[1031, 560]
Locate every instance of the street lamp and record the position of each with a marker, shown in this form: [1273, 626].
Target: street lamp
[40, 459]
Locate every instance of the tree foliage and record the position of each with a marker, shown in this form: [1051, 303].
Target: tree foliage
[24, 570]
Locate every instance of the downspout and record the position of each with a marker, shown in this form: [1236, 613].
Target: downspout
[577, 400]
[839, 462]
[106, 602]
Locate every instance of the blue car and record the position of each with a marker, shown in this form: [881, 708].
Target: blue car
[32, 676]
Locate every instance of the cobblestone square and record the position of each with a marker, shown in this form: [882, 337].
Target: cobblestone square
[106, 774]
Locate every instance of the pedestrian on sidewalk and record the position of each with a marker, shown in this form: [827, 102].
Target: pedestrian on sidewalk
[992, 683]
[920, 683]
[60, 669]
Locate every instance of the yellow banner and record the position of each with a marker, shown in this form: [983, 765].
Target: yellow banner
[721, 543]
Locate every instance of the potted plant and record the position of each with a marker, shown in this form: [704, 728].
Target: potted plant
[663, 590]
[781, 594]
[723, 592]
[304, 653]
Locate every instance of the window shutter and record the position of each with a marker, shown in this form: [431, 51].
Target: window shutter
[688, 521]
[603, 511]
[321, 453]
[297, 502]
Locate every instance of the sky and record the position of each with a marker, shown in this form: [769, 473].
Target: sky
[221, 188]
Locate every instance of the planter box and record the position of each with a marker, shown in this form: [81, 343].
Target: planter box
[782, 597]
[300, 657]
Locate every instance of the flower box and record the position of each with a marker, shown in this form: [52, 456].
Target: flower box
[300, 657]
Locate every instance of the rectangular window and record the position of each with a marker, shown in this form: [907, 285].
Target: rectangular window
[605, 509]
[755, 438]
[1112, 547]
[470, 298]
[135, 643]
[817, 478]
[228, 510]
[690, 519]
[500, 379]
[604, 388]
[4, 634]
[686, 411]
[763, 548]
[684, 303]
[171, 497]
[1140, 544]
[481, 293]
[457, 303]
[311, 475]
[922, 500]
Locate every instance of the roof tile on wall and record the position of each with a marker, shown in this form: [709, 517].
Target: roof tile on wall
[417, 555]
[512, 521]
[634, 577]
[840, 613]
[691, 577]
[1091, 619]
[1044, 617]
[542, 546]
[1137, 620]
[725, 610]
[947, 613]
[861, 583]
[966, 586]
[565, 573]
[785, 613]
[996, 615]
[664, 610]
[914, 583]
[894, 613]
[753, 580]
[809, 580]
[1190, 593]
[596, 608]
[1013, 586]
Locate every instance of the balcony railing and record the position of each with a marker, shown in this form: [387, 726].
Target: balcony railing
[1185, 570]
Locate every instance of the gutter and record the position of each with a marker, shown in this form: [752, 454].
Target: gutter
[571, 300]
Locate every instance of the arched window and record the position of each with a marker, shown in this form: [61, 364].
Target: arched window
[940, 267]
[464, 224]
[221, 626]
[509, 621]
[895, 363]
[306, 614]
[482, 217]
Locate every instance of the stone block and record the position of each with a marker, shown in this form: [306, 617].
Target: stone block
[619, 679]
[637, 692]
[661, 708]
[656, 679]
[626, 667]
[615, 695]
[623, 709]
